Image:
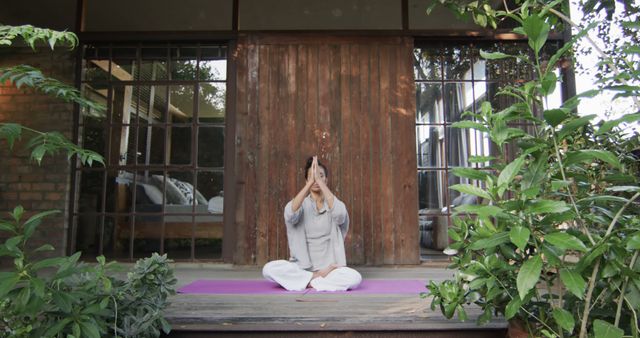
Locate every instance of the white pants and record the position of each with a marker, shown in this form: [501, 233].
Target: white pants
[291, 277]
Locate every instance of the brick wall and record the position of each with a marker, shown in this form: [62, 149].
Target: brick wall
[22, 181]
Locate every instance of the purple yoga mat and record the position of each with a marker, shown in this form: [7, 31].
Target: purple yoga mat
[233, 286]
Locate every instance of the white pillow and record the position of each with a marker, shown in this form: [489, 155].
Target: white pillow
[154, 194]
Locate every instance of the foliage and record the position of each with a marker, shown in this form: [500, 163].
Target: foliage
[555, 244]
[63, 297]
[59, 296]
[41, 143]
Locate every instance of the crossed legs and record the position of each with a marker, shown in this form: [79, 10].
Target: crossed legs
[291, 277]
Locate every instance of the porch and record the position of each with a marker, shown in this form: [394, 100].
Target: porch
[325, 315]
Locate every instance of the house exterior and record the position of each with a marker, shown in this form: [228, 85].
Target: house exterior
[213, 107]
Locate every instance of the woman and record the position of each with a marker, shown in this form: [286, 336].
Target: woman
[317, 223]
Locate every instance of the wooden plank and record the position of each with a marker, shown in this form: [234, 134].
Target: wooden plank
[251, 137]
[312, 101]
[364, 147]
[407, 247]
[243, 56]
[268, 127]
[345, 149]
[375, 161]
[300, 143]
[335, 132]
[262, 169]
[388, 253]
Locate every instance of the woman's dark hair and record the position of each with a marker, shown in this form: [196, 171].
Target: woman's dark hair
[308, 165]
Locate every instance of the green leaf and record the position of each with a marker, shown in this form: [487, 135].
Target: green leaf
[494, 55]
[509, 173]
[490, 242]
[519, 236]
[546, 206]
[608, 125]
[17, 213]
[481, 210]
[590, 155]
[565, 241]
[555, 116]
[529, 275]
[10, 132]
[537, 31]
[32, 223]
[573, 281]
[481, 159]
[54, 330]
[7, 282]
[45, 247]
[512, 308]
[470, 173]
[38, 286]
[625, 188]
[48, 262]
[63, 301]
[471, 125]
[634, 242]
[564, 319]
[549, 83]
[603, 329]
[471, 190]
[558, 184]
[536, 172]
[573, 125]
[5, 226]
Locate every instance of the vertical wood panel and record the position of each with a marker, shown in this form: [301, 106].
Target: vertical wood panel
[349, 100]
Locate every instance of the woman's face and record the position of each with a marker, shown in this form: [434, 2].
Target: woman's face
[321, 174]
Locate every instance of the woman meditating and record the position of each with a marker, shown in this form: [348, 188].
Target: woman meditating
[317, 224]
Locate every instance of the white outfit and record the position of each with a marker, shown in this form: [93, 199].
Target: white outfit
[316, 240]
[293, 278]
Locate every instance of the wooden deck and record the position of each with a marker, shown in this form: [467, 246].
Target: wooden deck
[325, 315]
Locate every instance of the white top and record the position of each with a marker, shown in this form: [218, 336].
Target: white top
[316, 237]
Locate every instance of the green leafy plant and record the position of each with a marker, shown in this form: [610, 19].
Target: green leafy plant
[60, 296]
[554, 244]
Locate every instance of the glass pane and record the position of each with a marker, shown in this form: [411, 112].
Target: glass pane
[427, 65]
[463, 143]
[94, 136]
[457, 62]
[124, 70]
[184, 69]
[152, 105]
[211, 147]
[508, 69]
[458, 98]
[430, 230]
[211, 102]
[210, 189]
[149, 191]
[112, 245]
[432, 192]
[430, 146]
[95, 70]
[179, 143]
[181, 103]
[119, 191]
[209, 248]
[150, 145]
[88, 235]
[213, 70]
[184, 65]
[90, 196]
[146, 235]
[175, 247]
[153, 65]
[180, 192]
[457, 198]
[429, 103]
[123, 105]
[123, 145]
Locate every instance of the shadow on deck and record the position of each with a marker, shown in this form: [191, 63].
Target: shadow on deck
[318, 315]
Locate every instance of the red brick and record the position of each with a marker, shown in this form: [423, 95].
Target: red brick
[33, 196]
[53, 196]
[43, 187]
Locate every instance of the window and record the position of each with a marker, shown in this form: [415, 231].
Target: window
[452, 79]
[162, 136]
